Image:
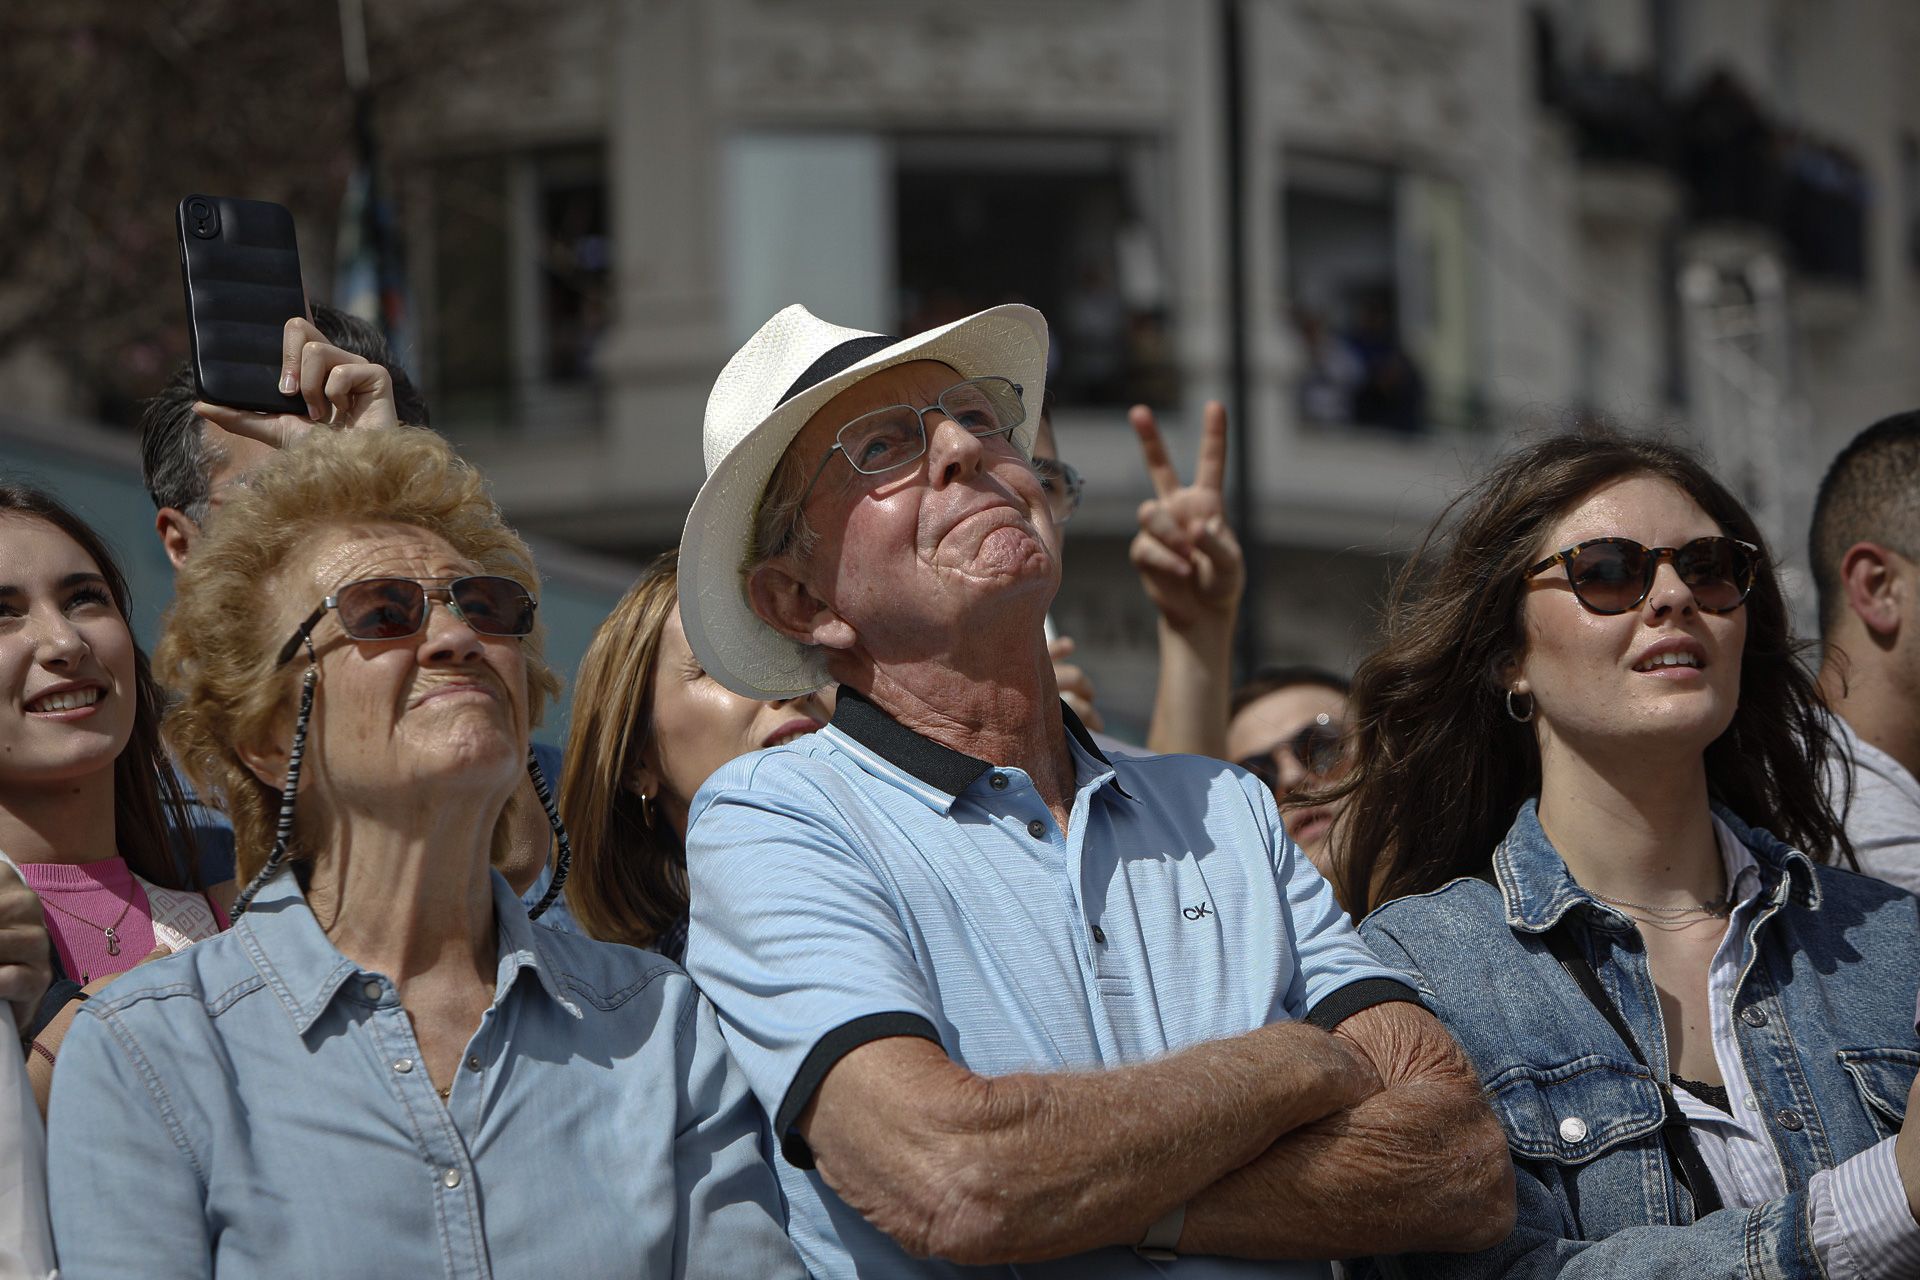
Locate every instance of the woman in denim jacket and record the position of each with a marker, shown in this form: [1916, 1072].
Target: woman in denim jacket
[1588, 792]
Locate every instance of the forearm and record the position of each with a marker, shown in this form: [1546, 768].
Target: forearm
[1196, 685]
[44, 1048]
[1033, 1166]
[1420, 1165]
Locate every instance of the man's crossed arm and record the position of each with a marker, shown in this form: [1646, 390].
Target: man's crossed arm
[1286, 1142]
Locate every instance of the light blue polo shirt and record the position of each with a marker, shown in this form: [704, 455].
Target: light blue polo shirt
[864, 882]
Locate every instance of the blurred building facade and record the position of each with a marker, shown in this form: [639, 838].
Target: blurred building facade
[1460, 220]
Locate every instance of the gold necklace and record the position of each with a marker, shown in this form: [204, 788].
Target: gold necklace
[112, 930]
[1719, 906]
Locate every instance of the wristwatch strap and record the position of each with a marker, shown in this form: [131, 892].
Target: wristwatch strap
[1162, 1241]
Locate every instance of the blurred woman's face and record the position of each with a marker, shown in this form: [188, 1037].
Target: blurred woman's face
[1659, 681]
[66, 659]
[438, 713]
[699, 725]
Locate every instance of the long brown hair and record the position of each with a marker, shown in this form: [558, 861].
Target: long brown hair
[629, 879]
[1440, 769]
[148, 799]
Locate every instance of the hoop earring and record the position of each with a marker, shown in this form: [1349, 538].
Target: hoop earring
[563, 861]
[1515, 715]
[646, 812]
[283, 829]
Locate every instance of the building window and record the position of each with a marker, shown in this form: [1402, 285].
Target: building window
[1067, 225]
[520, 285]
[1378, 295]
[903, 232]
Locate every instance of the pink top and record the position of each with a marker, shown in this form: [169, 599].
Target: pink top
[99, 894]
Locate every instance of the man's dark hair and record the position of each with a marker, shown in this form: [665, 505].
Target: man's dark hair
[1275, 677]
[176, 462]
[1871, 493]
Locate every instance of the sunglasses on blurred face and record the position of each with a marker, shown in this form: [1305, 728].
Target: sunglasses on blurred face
[1319, 747]
[1614, 575]
[1062, 485]
[375, 609]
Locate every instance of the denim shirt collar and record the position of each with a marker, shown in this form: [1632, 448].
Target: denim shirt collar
[292, 953]
[1539, 890]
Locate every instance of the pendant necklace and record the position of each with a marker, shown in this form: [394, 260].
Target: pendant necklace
[112, 931]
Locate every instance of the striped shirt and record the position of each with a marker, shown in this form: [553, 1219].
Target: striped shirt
[1861, 1223]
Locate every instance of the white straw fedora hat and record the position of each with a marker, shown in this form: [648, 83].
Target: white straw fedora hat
[783, 376]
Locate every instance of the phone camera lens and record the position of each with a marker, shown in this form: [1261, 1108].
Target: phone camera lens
[199, 209]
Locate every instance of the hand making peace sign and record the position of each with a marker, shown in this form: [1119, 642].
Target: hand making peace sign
[1186, 555]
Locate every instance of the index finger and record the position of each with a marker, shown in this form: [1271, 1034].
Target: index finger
[1211, 470]
[297, 333]
[1166, 480]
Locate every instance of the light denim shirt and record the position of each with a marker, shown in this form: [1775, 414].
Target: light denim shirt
[256, 1106]
[864, 882]
[1821, 1051]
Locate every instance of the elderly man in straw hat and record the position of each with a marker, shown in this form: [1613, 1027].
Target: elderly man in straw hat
[1005, 1000]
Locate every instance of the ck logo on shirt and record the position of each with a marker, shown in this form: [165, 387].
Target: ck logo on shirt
[1200, 912]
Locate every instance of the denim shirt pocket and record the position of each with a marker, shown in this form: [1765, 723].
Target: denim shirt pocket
[1572, 1113]
[1883, 1077]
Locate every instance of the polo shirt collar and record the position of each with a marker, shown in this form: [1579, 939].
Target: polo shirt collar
[304, 969]
[940, 772]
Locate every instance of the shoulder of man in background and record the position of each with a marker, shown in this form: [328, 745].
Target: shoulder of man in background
[1880, 803]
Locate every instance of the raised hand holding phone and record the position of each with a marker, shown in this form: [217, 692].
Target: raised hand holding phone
[340, 390]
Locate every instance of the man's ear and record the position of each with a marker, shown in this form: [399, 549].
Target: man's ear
[786, 604]
[177, 532]
[1872, 583]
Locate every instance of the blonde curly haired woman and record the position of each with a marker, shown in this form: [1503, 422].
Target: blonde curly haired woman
[383, 1069]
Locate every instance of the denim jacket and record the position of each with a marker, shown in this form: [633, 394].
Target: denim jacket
[1824, 1012]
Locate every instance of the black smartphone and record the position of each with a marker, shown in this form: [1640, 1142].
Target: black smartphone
[242, 272]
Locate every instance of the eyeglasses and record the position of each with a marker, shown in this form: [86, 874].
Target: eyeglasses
[1062, 485]
[1320, 746]
[890, 438]
[1613, 575]
[393, 608]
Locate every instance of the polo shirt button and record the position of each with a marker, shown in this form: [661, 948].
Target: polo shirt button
[1790, 1120]
[403, 1065]
[372, 990]
[1573, 1129]
[1754, 1016]
[450, 1179]
[1037, 829]
[999, 782]
[1100, 935]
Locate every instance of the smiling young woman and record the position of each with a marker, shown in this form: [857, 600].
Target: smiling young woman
[87, 795]
[1586, 785]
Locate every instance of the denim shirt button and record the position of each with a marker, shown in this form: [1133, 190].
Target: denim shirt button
[1573, 1129]
[1754, 1016]
[1790, 1120]
[450, 1179]
[999, 782]
[1037, 829]
[403, 1065]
